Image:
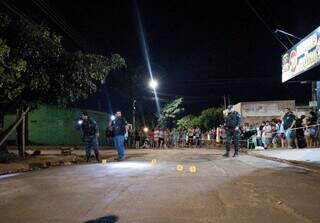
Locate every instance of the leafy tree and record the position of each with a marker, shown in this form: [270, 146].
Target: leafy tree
[187, 122]
[171, 113]
[35, 68]
[211, 117]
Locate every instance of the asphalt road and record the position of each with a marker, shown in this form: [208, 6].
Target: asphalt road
[244, 189]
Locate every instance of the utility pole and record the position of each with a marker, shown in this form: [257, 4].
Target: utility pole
[224, 102]
[134, 115]
[314, 94]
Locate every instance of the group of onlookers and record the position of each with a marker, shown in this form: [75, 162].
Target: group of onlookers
[174, 138]
[288, 132]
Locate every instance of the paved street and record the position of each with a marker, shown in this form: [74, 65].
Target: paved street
[243, 189]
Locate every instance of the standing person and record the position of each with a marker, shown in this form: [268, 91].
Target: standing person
[175, 137]
[119, 127]
[137, 139]
[267, 135]
[197, 134]
[190, 137]
[90, 134]
[300, 132]
[232, 127]
[156, 134]
[314, 129]
[289, 121]
[161, 138]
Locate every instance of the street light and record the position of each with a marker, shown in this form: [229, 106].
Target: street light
[145, 129]
[153, 84]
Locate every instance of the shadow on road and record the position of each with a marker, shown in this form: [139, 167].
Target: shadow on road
[105, 219]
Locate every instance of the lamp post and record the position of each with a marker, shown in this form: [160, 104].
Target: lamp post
[153, 84]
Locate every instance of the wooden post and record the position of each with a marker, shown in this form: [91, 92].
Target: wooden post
[23, 136]
[21, 133]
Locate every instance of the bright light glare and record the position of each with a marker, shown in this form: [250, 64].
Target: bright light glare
[80, 122]
[133, 165]
[153, 84]
[113, 117]
[145, 129]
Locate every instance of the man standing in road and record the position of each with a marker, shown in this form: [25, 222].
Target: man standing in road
[119, 127]
[232, 127]
[90, 132]
[289, 121]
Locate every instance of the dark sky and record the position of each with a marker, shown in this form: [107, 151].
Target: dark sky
[204, 49]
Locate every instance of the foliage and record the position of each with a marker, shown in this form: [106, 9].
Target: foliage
[187, 122]
[209, 118]
[35, 68]
[171, 113]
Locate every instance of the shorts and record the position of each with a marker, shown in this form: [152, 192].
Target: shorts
[290, 134]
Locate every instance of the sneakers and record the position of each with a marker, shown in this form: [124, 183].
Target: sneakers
[120, 159]
[226, 154]
[235, 154]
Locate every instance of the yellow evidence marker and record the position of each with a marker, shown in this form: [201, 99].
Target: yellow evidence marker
[153, 162]
[104, 161]
[193, 169]
[179, 167]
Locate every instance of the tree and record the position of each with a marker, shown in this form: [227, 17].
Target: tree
[210, 118]
[35, 68]
[188, 121]
[171, 113]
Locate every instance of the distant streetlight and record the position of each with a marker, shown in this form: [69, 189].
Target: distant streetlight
[145, 129]
[153, 84]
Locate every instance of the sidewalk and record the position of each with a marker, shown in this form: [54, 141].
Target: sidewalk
[309, 158]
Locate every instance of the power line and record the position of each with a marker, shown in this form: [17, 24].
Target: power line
[265, 24]
[45, 8]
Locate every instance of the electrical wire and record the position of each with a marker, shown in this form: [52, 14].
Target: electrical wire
[265, 24]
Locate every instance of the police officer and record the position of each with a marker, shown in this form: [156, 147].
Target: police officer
[119, 128]
[232, 127]
[90, 134]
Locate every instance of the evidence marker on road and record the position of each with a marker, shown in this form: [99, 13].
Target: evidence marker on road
[193, 169]
[179, 167]
[153, 161]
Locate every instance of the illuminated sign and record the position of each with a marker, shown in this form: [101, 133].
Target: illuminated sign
[302, 57]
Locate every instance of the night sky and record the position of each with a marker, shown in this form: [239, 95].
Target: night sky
[201, 50]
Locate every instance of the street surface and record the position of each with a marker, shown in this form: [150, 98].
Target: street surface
[243, 189]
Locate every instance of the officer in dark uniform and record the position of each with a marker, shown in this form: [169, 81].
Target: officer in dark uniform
[90, 134]
[232, 127]
[119, 128]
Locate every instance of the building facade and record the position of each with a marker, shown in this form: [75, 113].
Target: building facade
[51, 125]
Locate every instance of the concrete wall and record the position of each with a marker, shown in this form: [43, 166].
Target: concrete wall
[50, 125]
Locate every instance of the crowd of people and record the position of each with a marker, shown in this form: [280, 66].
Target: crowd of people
[159, 138]
[288, 132]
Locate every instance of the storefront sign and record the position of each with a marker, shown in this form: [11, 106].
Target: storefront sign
[302, 57]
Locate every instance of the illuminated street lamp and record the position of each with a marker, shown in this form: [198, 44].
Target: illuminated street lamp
[153, 84]
[145, 129]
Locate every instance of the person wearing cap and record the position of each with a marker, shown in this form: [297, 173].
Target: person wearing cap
[232, 127]
[119, 128]
[90, 134]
